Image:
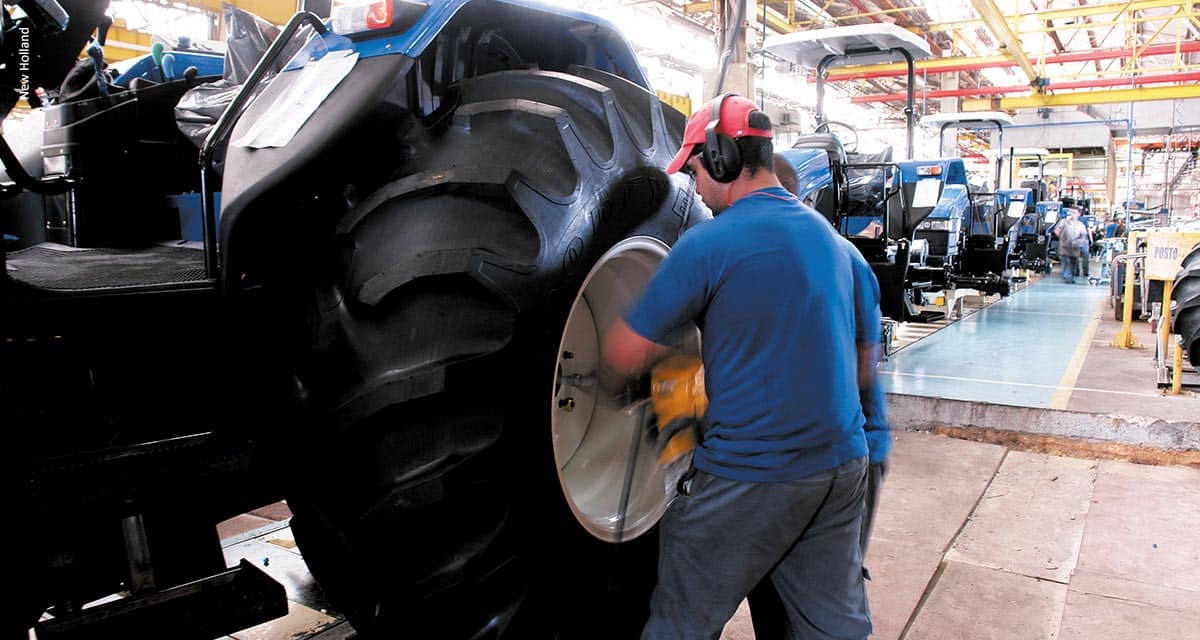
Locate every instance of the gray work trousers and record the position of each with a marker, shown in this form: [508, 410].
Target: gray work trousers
[718, 541]
[766, 609]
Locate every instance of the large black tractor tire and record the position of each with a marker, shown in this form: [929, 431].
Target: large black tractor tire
[433, 507]
[1186, 294]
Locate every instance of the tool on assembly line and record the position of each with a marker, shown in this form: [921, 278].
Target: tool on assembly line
[674, 410]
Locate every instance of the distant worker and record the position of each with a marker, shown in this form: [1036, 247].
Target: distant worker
[780, 473]
[1072, 245]
[1110, 229]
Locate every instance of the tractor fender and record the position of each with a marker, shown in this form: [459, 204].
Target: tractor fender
[250, 174]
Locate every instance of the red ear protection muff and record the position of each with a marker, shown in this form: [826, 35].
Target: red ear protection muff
[720, 155]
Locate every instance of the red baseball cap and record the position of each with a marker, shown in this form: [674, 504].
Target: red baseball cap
[735, 123]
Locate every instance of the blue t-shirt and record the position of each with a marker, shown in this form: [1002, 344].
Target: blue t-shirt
[772, 287]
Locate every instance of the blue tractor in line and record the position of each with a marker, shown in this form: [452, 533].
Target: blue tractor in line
[992, 244]
[917, 222]
[1028, 235]
[383, 325]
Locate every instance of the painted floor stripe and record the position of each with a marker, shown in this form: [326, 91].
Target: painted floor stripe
[1042, 313]
[1075, 366]
[1013, 384]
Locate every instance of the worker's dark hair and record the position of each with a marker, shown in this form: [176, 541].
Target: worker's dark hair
[756, 153]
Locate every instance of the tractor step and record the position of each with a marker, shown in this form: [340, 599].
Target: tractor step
[212, 607]
[927, 316]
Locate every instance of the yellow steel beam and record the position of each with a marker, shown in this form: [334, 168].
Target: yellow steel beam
[932, 65]
[693, 8]
[775, 20]
[1140, 94]
[938, 65]
[123, 43]
[1178, 15]
[865, 14]
[273, 11]
[998, 25]
[679, 102]
[1138, 54]
[1066, 14]
[824, 10]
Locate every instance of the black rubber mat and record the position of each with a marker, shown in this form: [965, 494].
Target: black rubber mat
[53, 266]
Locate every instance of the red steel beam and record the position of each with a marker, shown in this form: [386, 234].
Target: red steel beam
[1054, 86]
[1076, 56]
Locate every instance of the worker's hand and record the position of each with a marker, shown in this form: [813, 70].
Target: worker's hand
[625, 360]
[622, 389]
[623, 351]
[611, 381]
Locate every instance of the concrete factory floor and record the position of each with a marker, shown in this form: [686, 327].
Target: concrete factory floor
[978, 541]
[973, 540]
[1046, 346]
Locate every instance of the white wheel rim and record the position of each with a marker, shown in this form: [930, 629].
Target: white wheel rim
[593, 433]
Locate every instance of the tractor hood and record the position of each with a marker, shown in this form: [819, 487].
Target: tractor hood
[953, 204]
[811, 167]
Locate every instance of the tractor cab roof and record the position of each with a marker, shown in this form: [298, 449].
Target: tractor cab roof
[1019, 152]
[966, 120]
[808, 48]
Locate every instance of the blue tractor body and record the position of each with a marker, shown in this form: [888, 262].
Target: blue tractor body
[1049, 211]
[937, 207]
[586, 39]
[1017, 209]
[144, 67]
[812, 169]
[372, 329]
[993, 243]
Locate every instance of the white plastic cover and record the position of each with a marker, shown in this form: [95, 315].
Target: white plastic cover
[936, 120]
[808, 48]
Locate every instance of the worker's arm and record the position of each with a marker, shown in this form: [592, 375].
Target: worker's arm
[870, 394]
[675, 296]
[868, 358]
[625, 354]
[867, 321]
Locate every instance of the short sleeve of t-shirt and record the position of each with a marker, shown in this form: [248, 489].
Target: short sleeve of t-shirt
[676, 294]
